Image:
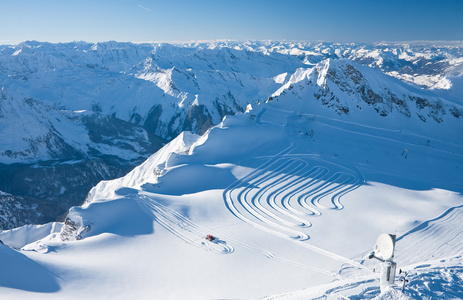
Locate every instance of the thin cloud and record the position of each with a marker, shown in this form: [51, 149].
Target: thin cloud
[145, 8]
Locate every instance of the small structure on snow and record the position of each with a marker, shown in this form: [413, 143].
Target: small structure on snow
[384, 252]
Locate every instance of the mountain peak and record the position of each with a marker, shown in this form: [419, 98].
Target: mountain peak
[348, 88]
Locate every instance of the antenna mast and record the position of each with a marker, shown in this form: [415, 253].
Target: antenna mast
[384, 251]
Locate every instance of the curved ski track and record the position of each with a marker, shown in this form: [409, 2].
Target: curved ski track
[282, 194]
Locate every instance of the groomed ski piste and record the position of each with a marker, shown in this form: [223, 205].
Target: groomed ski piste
[294, 197]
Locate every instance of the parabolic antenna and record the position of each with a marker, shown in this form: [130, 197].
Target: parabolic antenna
[384, 248]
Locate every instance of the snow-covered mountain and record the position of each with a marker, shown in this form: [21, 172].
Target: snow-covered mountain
[74, 114]
[163, 87]
[171, 88]
[351, 89]
[295, 192]
[77, 113]
[55, 156]
[427, 64]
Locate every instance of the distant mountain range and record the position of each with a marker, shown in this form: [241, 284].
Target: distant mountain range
[74, 114]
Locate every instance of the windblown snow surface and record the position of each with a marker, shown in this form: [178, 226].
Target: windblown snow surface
[295, 195]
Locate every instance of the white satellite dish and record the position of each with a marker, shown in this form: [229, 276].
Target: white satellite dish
[384, 248]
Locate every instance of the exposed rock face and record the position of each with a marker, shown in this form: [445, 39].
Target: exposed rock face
[69, 230]
[346, 87]
[75, 227]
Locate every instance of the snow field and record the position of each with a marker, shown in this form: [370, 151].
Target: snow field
[182, 227]
[19, 237]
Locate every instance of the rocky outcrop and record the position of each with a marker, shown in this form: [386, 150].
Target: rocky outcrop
[345, 87]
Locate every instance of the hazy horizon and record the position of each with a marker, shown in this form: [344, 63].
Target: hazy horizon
[183, 21]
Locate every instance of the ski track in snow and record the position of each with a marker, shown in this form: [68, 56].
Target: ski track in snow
[182, 227]
[193, 234]
[283, 193]
[280, 195]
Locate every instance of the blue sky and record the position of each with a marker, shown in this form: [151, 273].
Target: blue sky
[186, 20]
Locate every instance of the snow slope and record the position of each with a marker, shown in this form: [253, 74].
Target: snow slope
[295, 195]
